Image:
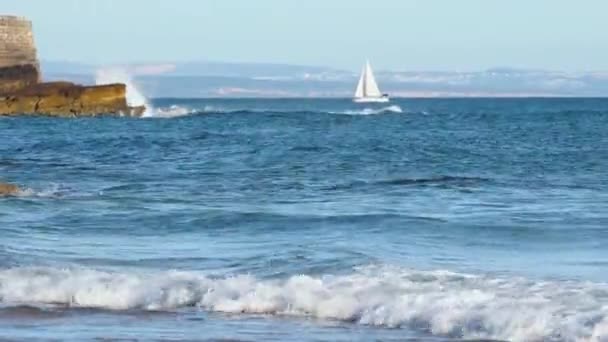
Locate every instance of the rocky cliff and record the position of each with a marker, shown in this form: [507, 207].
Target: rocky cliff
[21, 90]
[68, 100]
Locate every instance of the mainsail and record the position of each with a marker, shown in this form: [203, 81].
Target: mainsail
[367, 86]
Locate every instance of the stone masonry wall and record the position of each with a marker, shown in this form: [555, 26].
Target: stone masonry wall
[16, 42]
[19, 66]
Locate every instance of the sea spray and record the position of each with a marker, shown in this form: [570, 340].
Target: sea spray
[120, 75]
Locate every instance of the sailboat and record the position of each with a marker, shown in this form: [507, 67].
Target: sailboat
[367, 88]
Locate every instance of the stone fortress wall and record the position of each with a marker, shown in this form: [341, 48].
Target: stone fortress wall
[16, 42]
[19, 66]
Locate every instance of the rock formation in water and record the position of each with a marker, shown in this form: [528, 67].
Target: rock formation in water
[7, 189]
[68, 100]
[21, 90]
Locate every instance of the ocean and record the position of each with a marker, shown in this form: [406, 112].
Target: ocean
[309, 220]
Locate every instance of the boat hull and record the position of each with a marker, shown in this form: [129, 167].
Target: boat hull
[383, 99]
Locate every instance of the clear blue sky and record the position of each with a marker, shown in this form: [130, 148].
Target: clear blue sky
[394, 34]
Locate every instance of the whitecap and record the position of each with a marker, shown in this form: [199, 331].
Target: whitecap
[50, 191]
[171, 111]
[372, 111]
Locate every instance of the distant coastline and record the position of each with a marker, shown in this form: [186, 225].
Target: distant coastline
[251, 80]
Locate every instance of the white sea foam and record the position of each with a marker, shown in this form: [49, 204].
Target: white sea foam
[52, 190]
[118, 75]
[177, 110]
[172, 111]
[435, 302]
[372, 111]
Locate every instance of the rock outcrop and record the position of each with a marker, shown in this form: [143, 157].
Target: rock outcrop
[7, 189]
[21, 90]
[66, 99]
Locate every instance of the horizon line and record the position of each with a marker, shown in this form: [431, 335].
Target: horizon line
[456, 97]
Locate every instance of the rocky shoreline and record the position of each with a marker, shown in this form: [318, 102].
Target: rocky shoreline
[23, 93]
[64, 99]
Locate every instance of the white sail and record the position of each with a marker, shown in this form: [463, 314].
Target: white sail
[359, 93]
[371, 87]
[367, 88]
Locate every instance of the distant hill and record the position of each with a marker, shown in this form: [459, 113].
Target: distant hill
[219, 79]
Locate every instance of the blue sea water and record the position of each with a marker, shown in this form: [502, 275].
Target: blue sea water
[309, 220]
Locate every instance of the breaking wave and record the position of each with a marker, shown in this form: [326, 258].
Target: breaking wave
[172, 111]
[50, 191]
[119, 75]
[440, 303]
[372, 111]
[178, 111]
